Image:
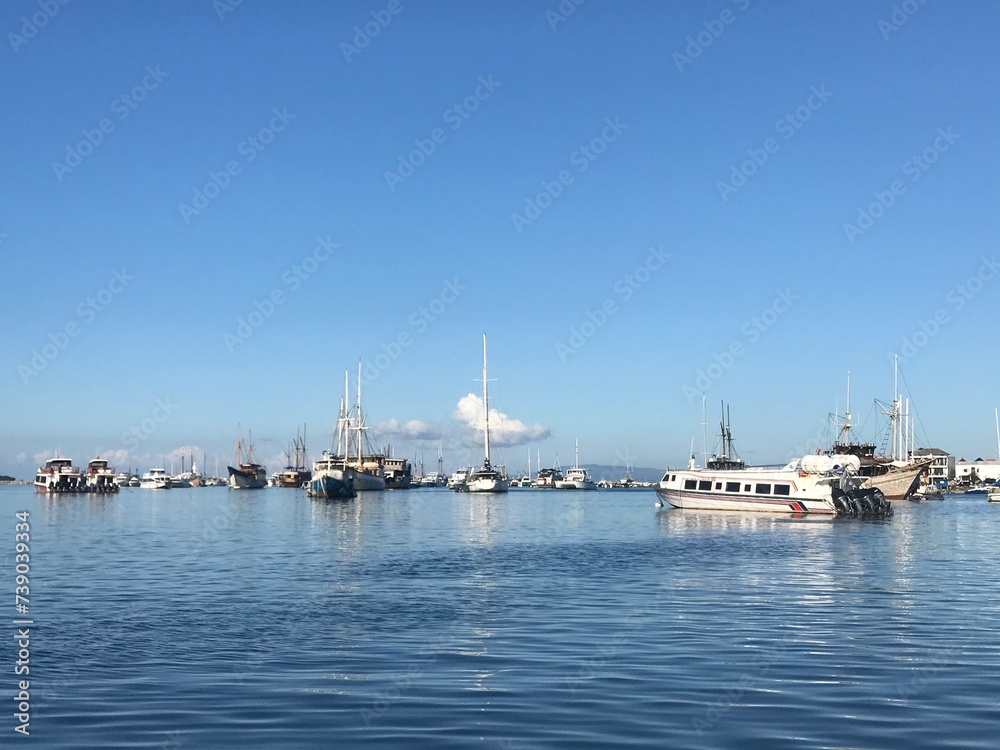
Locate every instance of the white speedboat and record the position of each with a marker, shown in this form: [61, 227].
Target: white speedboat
[576, 478]
[486, 478]
[155, 479]
[57, 476]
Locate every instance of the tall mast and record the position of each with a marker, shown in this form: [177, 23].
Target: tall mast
[576, 457]
[486, 406]
[996, 416]
[360, 426]
[896, 411]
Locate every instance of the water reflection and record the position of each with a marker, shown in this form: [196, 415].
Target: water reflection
[687, 519]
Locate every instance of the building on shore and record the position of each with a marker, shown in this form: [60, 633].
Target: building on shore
[942, 469]
[987, 470]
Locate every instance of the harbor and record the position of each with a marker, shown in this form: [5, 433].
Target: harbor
[435, 618]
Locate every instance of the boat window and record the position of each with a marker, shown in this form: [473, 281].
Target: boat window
[704, 484]
[718, 485]
[689, 484]
[673, 477]
[732, 486]
[746, 487]
[782, 489]
[763, 489]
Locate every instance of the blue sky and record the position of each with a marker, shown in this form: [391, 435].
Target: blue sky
[638, 201]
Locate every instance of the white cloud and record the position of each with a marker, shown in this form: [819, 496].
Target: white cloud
[505, 431]
[21, 458]
[412, 430]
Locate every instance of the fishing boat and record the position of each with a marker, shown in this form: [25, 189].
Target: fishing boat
[576, 478]
[188, 477]
[398, 474]
[295, 474]
[897, 474]
[486, 478]
[817, 484]
[331, 479]
[246, 475]
[58, 476]
[156, 479]
[100, 477]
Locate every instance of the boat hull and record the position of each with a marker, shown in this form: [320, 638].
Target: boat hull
[246, 480]
[364, 482]
[898, 484]
[573, 484]
[695, 500]
[486, 482]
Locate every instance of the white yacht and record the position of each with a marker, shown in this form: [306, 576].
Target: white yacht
[155, 479]
[100, 477]
[576, 478]
[458, 478]
[58, 475]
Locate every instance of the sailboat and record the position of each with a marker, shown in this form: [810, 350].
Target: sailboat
[295, 474]
[897, 475]
[576, 478]
[246, 475]
[486, 478]
[364, 471]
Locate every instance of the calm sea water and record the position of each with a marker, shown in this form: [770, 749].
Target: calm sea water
[207, 618]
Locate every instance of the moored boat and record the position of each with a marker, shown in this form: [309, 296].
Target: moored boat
[246, 475]
[897, 475]
[819, 484]
[547, 478]
[576, 478]
[295, 475]
[811, 484]
[156, 479]
[354, 451]
[486, 478]
[100, 477]
[331, 479]
[58, 476]
[458, 478]
[398, 473]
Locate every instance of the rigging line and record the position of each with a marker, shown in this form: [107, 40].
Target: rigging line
[913, 406]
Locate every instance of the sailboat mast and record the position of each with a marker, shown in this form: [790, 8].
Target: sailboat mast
[486, 406]
[996, 416]
[360, 427]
